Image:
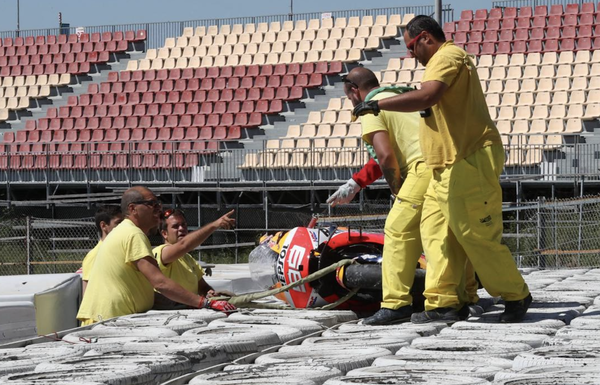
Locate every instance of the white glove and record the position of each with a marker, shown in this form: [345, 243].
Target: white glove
[344, 194]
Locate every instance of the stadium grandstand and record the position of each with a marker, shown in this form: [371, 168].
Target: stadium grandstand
[250, 112]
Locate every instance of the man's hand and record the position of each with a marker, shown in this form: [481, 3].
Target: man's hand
[364, 108]
[223, 306]
[226, 222]
[344, 194]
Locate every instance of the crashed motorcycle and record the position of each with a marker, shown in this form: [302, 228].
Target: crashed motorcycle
[284, 258]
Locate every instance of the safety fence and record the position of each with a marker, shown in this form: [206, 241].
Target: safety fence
[551, 234]
[533, 3]
[157, 32]
[554, 234]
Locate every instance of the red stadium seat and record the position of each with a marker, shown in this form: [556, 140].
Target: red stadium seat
[522, 34]
[570, 20]
[460, 37]
[538, 22]
[519, 46]
[510, 12]
[490, 36]
[551, 45]
[554, 21]
[584, 44]
[504, 47]
[535, 46]
[587, 8]
[506, 35]
[478, 25]
[556, 9]
[586, 19]
[472, 48]
[553, 33]
[508, 24]
[523, 22]
[463, 26]
[449, 26]
[567, 45]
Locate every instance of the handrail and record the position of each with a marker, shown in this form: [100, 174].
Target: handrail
[157, 32]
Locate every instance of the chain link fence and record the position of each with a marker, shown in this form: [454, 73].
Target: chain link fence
[561, 233]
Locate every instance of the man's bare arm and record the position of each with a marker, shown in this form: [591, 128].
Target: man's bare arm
[166, 286]
[194, 239]
[429, 95]
[387, 160]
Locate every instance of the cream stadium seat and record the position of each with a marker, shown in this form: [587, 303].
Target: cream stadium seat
[212, 30]
[323, 131]
[574, 125]
[339, 131]
[538, 127]
[584, 57]
[556, 125]
[406, 19]
[543, 98]
[293, 131]
[533, 59]
[526, 99]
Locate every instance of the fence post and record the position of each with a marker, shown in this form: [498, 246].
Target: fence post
[541, 244]
[28, 243]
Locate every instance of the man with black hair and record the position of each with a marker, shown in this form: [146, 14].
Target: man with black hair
[393, 142]
[106, 218]
[173, 258]
[462, 212]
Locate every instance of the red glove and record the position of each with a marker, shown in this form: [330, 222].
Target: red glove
[223, 306]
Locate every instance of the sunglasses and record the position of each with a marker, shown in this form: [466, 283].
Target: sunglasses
[411, 44]
[168, 212]
[154, 203]
[346, 80]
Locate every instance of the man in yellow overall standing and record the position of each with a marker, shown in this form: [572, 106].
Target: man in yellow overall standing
[462, 212]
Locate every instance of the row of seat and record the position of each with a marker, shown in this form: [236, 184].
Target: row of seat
[135, 135]
[299, 25]
[260, 40]
[304, 158]
[546, 71]
[200, 96]
[521, 46]
[165, 109]
[105, 160]
[82, 57]
[538, 59]
[33, 80]
[499, 98]
[10, 54]
[95, 37]
[279, 47]
[540, 10]
[259, 59]
[239, 71]
[46, 69]
[244, 119]
[541, 113]
[295, 131]
[522, 23]
[524, 34]
[247, 82]
[540, 127]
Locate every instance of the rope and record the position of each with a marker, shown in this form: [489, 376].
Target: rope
[246, 299]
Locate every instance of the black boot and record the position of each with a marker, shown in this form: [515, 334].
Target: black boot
[444, 314]
[389, 316]
[514, 311]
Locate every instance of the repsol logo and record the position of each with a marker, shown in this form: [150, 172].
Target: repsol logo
[294, 260]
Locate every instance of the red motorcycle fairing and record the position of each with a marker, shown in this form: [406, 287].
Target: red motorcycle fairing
[297, 248]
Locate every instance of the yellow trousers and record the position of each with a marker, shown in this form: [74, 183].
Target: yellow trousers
[402, 245]
[462, 221]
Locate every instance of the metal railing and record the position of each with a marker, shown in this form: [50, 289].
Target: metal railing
[225, 162]
[533, 3]
[157, 32]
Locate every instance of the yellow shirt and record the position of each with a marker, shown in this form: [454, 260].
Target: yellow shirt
[88, 262]
[403, 131]
[116, 286]
[185, 271]
[460, 123]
